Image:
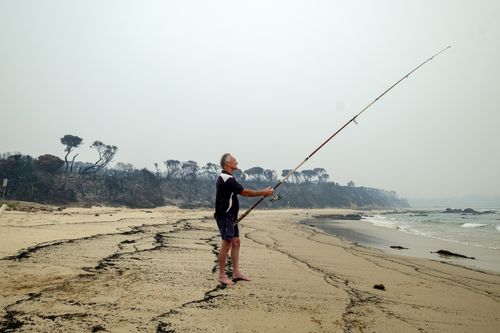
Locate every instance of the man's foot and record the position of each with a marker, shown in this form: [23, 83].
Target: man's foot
[225, 280]
[241, 276]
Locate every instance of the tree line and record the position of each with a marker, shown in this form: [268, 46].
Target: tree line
[51, 179]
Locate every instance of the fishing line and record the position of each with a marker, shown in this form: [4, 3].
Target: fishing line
[353, 119]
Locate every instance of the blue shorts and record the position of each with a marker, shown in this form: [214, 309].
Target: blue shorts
[226, 228]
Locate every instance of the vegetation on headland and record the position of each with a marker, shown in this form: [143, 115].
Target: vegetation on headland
[50, 179]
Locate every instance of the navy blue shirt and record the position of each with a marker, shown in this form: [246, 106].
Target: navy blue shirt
[226, 198]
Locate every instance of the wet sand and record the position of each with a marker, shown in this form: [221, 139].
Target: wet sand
[155, 271]
[365, 233]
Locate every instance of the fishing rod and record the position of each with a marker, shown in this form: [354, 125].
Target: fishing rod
[353, 119]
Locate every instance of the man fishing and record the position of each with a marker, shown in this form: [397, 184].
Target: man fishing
[226, 213]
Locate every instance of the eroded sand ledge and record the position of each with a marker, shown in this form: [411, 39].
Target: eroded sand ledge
[153, 271]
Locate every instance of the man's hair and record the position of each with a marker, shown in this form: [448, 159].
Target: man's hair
[224, 159]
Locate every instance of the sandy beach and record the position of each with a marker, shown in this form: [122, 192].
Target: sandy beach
[366, 234]
[123, 270]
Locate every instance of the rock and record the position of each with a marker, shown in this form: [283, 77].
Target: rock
[475, 212]
[98, 328]
[339, 216]
[395, 212]
[451, 254]
[398, 247]
[469, 211]
[96, 214]
[379, 286]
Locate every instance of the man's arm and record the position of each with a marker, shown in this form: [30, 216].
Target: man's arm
[259, 193]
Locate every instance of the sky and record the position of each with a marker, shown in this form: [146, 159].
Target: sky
[268, 81]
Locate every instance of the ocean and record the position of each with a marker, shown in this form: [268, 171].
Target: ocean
[479, 230]
[422, 233]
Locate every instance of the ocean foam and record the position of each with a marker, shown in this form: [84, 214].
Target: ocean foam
[473, 225]
[382, 221]
[474, 231]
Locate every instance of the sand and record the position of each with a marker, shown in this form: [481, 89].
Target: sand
[367, 234]
[155, 271]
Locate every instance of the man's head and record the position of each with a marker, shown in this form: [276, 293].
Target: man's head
[228, 163]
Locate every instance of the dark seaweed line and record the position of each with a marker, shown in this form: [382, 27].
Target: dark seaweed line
[356, 293]
[428, 276]
[356, 297]
[160, 242]
[76, 223]
[375, 300]
[10, 323]
[165, 327]
[26, 253]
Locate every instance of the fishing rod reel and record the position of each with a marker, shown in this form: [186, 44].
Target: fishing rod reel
[275, 197]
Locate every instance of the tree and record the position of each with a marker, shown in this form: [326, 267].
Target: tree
[307, 175]
[18, 169]
[256, 173]
[351, 184]
[124, 168]
[324, 178]
[296, 177]
[189, 170]
[106, 154]
[157, 169]
[173, 168]
[239, 175]
[48, 163]
[210, 171]
[270, 175]
[285, 172]
[71, 142]
[321, 175]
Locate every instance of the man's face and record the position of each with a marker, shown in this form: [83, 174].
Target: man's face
[232, 163]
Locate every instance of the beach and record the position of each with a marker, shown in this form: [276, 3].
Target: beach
[154, 270]
[393, 240]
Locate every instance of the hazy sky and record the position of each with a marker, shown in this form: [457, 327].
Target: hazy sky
[265, 80]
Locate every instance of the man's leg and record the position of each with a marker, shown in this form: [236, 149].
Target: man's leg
[224, 249]
[235, 256]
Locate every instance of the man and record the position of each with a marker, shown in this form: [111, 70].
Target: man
[226, 213]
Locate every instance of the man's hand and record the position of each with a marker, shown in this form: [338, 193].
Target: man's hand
[268, 191]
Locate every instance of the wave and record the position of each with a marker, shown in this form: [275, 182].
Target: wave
[441, 227]
[473, 225]
[382, 221]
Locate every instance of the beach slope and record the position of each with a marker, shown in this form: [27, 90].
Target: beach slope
[122, 270]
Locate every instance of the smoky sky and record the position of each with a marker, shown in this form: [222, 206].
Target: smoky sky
[265, 80]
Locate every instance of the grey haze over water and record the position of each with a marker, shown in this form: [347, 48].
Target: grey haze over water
[265, 80]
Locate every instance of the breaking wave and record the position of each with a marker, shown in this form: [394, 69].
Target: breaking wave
[473, 225]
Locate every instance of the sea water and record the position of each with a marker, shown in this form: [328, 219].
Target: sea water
[480, 230]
